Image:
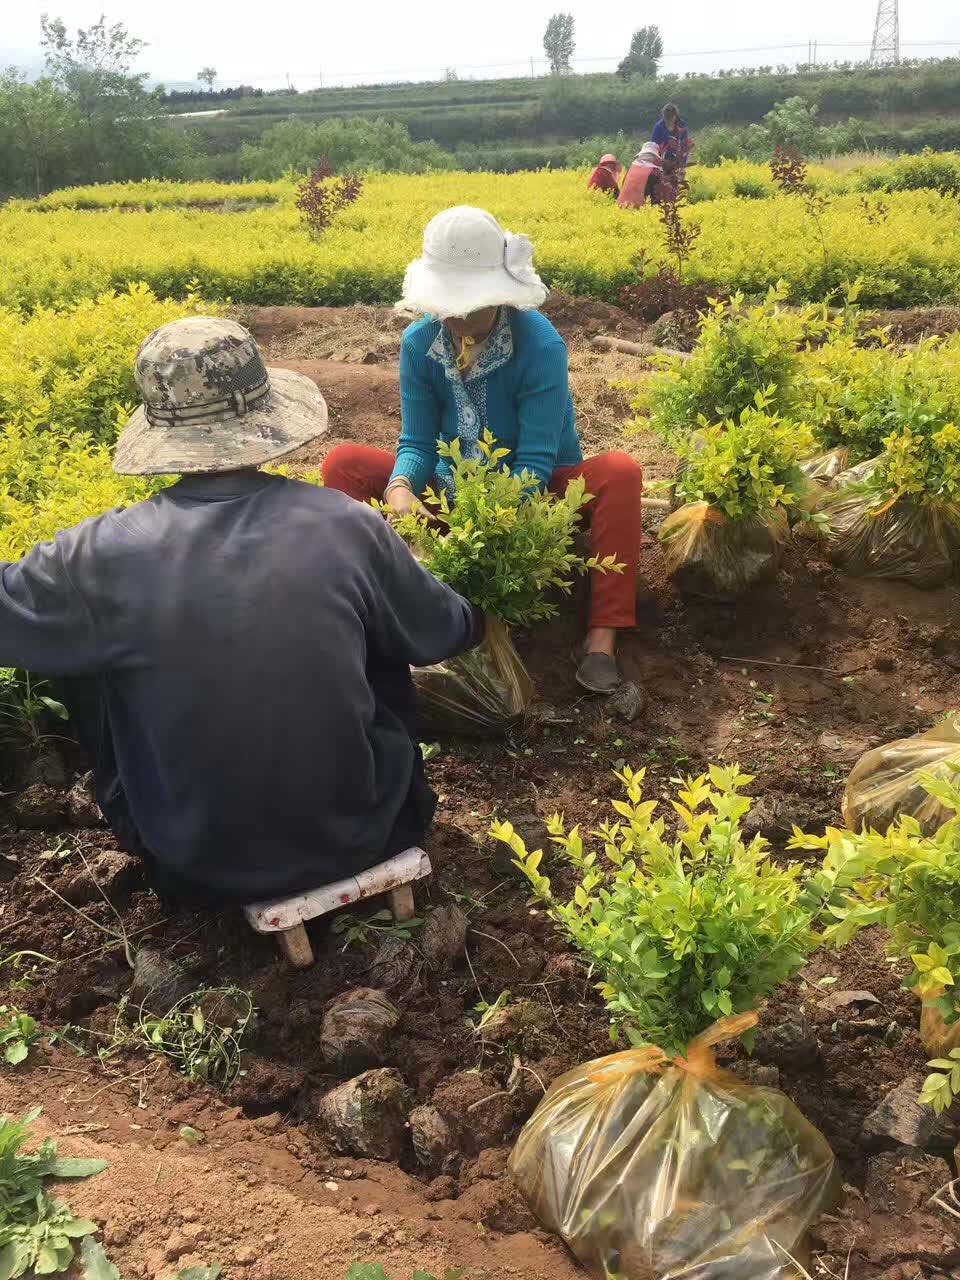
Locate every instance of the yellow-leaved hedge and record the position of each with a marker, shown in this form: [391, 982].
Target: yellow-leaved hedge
[584, 244]
[66, 387]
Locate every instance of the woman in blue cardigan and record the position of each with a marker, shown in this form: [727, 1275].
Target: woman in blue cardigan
[483, 357]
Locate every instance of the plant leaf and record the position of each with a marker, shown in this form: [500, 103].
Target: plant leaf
[96, 1264]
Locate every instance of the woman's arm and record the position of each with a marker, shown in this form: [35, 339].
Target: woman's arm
[541, 408]
[420, 421]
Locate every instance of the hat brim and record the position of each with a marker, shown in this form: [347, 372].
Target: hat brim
[292, 414]
[445, 292]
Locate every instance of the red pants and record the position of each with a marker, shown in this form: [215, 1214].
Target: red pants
[614, 479]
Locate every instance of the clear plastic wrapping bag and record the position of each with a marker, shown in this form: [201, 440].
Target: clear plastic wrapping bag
[913, 542]
[825, 467]
[711, 554]
[885, 785]
[652, 1170]
[484, 691]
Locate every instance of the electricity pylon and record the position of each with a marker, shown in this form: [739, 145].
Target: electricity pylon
[886, 33]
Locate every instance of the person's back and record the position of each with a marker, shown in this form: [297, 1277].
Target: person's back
[252, 638]
[642, 178]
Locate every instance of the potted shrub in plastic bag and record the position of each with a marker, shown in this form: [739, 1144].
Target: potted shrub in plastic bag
[737, 483]
[653, 1163]
[887, 782]
[908, 882]
[504, 544]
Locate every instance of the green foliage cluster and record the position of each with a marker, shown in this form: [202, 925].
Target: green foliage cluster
[203, 1034]
[505, 544]
[37, 1233]
[682, 932]
[743, 350]
[745, 467]
[18, 1033]
[927, 171]
[66, 388]
[923, 466]
[357, 145]
[909, 883]
[23, 707]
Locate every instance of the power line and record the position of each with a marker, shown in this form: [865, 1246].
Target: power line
[524, 62]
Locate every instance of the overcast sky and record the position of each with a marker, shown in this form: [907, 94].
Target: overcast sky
[370, 40]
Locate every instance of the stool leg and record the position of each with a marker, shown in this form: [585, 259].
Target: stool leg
[295, 945]
[401, 903]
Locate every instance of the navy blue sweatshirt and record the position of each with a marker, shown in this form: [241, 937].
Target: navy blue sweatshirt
[253, 637]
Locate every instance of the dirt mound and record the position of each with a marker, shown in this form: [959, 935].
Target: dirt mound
[918, 322]
[363, 402]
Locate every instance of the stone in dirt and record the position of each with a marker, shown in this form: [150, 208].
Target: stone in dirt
[442, 1188]
[110, 873]
[764, 1075]
[40, 807]
[47, 767]
[444, 936]
[82, 807]
[629, 701]
[159, 981]
[367, 1116]
[498, 1205]
[522, 1025]
[789, 1043]
[356, 1029]
[900, 1120]
[855, 1001]
[903, 1180]
[394, 966]
[480, 1113]
[434, 1141]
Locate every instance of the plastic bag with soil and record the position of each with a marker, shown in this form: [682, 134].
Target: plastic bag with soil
[912, 542]
[652, 1170]
[825, 467]
[484, 691]
[711, 554]
[885, 785]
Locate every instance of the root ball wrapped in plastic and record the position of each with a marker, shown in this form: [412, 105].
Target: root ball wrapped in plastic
[657, 1170]
[823, 468]
[905, 538]
[484, 691]
[887, 782]
[721, 557]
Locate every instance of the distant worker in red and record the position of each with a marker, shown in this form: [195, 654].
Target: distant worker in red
[606, 176]
[643, 178]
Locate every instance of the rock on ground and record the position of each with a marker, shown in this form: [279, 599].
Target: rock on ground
[789, 1043]
[158, 981]
[478, 1111]
[356, 1029]
[522, 1025]
[367, 1116]
[900, 1120]
[40, 807]
[394, 966]
[444, 936]
[112, 874]
[434, 1140]
[82, 807]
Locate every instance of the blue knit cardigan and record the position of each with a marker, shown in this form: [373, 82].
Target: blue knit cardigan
[518, 389]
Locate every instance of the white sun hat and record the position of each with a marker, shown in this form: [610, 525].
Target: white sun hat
[649, 151]
[469, 262]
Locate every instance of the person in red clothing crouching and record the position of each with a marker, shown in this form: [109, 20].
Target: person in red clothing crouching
[606, 176]
[643, 178]
[484, 358]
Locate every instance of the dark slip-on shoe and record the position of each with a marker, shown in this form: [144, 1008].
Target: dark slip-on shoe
[598, 672]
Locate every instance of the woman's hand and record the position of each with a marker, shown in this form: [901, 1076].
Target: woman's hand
[403, 501]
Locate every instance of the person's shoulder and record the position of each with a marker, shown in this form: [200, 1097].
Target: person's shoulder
[420, 335]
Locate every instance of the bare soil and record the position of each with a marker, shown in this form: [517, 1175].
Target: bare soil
[793, 683]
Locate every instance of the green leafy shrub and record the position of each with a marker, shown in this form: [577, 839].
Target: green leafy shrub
[18, 1033]
[910, 884]
[927, 171]
[743, 468]
[682, 932]
[36, 1231]
[504, 544]
[922, 466]
[742, 350]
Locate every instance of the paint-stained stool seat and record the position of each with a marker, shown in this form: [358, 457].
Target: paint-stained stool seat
[286, 917]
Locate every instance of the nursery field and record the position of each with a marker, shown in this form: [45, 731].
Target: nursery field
[793, 682]
[904, 246]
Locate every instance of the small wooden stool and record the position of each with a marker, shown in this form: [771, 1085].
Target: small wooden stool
[286, 917]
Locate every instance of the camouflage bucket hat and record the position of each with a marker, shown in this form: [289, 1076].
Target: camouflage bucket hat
[211, 404]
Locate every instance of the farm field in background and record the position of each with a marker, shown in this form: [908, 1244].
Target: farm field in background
[906, 254]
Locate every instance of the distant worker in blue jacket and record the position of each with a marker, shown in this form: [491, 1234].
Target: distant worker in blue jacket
[484, 358]
[671, 135]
